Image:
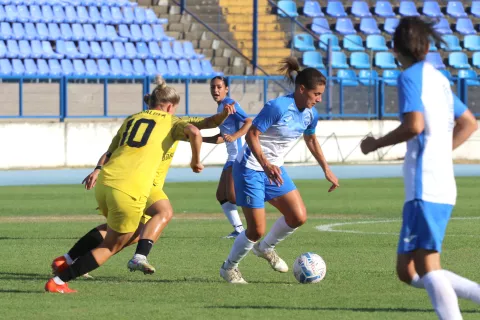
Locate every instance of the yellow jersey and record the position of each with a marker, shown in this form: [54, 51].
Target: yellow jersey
[138, 149]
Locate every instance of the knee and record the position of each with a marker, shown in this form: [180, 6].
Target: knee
[231, 198]
[297, 220]
[167, 215]
[255, 233]
[404, 275]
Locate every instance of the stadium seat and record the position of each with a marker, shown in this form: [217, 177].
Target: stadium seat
[196, 68]
[184, 67]
[3, 49]
[67, 67]
[140, 15]
[124, 32]
[167, 51]
[178, 50]
[376, 43]
[345, 26]
[30, 31]
[96, 50]
[55, 68]
[138, 68]
[48, 52]
[303, 42]
[161, 67]
[116, 68]
[103, 67]
[150, 17]
[42, 31]
[465, 26]
[54, 32]
[455, 9]
[106, 16]
[360, 60]
[23, 14]
[326, 39]
[107, 50]
[3, 15]
[128, 16]
[336, 9]
[11, 13]
[384, 9]
[313, 59]
[66, 32]
[408, 9]
[119, 49]
[94, 15]
[30, 67]
[17, 67]
[89, 32]
[13, 51]
[58, 14]
[84, 48]
[101, 32]
[82, 17]
[71, 50]
[435, 59]
[432, 9]
[78, 33]
[369, 26]
[130, 50]
[390, 25]
[189, 51]
[37, 50]
[353, 42]
[339, 60]
[91, 2]
[159, 33]
[476, 59]
[35, 14]
[360, 9]
[385, 60]
[311, 8]
[390, 77]
[475, 9]
[5, 67]
[208, 69]
[18, 32]
[142, 50]
[47, 14]
[117, 16]
[42, 68]
[432, 45]
[172, 67]
[135, 33]
[443, 27]
[367, 77]
[25, 49]
[287, 8]
[452, 43]
[112, 34]
[472, 42]
[155, 51]
[347, 78]
[6, 31]
[71, 15]
[150, 68]
[320, 26]
[470, 76]
[92, 68]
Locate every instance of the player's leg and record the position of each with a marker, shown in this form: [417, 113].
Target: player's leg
[226, 198]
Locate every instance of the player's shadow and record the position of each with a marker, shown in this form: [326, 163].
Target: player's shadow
[21, 291]
[23, 276]
[40, 238]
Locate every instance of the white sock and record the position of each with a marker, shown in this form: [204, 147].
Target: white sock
[231, 213]
[241, 247]
[442, 295]
[58, 281]
[464, 288]
[67, 257]
[280, 230]
[139, 256]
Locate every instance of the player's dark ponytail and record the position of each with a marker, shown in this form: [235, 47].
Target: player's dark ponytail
[308, 77]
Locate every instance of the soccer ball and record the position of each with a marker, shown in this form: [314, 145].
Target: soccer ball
[309, 268]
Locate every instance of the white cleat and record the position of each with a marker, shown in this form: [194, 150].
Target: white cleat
[232, 275]
[272, 257]
[141, 265]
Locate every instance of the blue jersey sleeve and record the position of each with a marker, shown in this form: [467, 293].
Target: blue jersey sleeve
[409, 95]
[270, 114]
[312, 126]
[458, 107]
[239, 114]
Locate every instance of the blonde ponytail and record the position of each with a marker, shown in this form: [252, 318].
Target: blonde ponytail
[163, 93]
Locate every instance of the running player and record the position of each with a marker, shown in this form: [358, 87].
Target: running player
[259, 175]
[125, 181]
[433, 123]
[231, 131]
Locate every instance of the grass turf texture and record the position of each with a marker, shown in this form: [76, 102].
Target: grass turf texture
[360, 281]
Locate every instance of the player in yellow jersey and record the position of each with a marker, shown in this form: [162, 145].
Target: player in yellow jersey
[126, 179]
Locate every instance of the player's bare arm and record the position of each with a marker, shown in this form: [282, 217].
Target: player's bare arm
[466, 125]
[216, 139]
[241, 132]
[91, 179]
[413, 124]
[312, 144]
[195, 138]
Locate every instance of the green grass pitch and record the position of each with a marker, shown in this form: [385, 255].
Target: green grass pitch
[38, 223]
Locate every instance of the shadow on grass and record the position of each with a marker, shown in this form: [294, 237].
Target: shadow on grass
[21, 291]
[39, 238]
[24, 276]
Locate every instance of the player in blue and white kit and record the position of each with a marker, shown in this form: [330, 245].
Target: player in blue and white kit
[259, 175]
[433, 123]
[231, 132]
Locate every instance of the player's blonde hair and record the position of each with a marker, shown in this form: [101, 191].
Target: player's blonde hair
[162, 94]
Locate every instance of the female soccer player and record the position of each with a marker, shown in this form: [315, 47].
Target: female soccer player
[434, 122]
[259, 175]
[231, 131]
[127, 178]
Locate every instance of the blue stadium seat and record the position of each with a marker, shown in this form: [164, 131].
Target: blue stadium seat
[124, 32]
[130, 50]
[154, 50]
[89, 3]
[112, 34]
[42, 31]
[79, 68]
[140, 15]
[82, 16]
[367, 77]
[208, 69]
[125, 3]
[3, 15]
[18, 31]
[465, 26]
[313, 59]
[71, 15]
[84, 48]
[42, 68]
[11, 13]
[435, 59]
[385, 60]
[455, 9]
[472, 42]
[103, 67]
[476, 59]
[58, 14]
[390, 77]
[116, 68]
[107, 50]
[189, 51]
[128, 15]
[475, 9]
[360, 60]
[37, 50]
[117, 16]
[106, 15]
[326, 39]
[30, 67]
[47, 14]
[55, 68]
[5, 67]
[13, 51]
[138, 68]
[142, 50]
[6, 31]
[196, 68]
[89, 31]
[347, 78]
[289, 8]
[150, 17]
[344, 26]
[96, 50]
[159, 33]
[470, 75]
[92, 68]
[432, 46]
[78, 33]
[178, 50]
[360, 9]
[184, 68]
[54, 32]
[311, 8]
[71, 50]
[36, 14]
[119, 49]
[135, 33]
[48, 52]
[320, 26]
[147, 32]
[101, 32]
[369, 26]
[303, 42]
[150, 68]
[67, 67]
[376, 43]
[432, 9]
[336, 9]
[66, 32]
[18, 68]
[23, 14]
[25, 49]
[167, 52]
[339, 60]
[384, 9]
[94, 15]
[390, 25]
[30, 31]
[452, 43]
[408, 9]
[173, 69]
[443, 27]
[3, 49]
[161, 67]
[353, 42]
[447, 75]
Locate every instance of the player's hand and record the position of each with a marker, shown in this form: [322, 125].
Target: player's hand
[368, 145]
[91, 179]
[332, 179]
[197, 167]
[229, 109]
[229, 138]
[273, 173]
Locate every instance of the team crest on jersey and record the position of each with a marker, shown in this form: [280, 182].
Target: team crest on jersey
[307, 120]
[249, 200]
